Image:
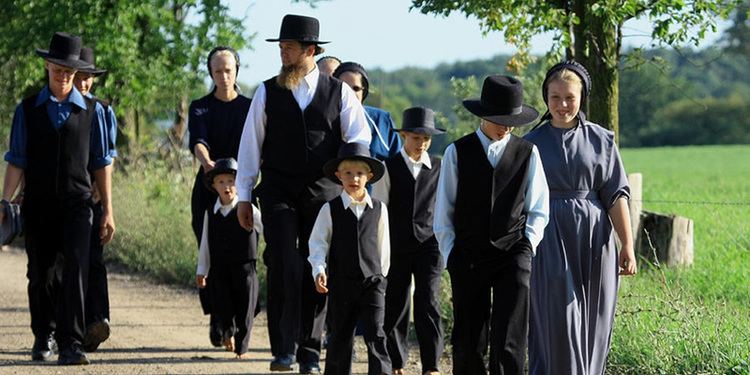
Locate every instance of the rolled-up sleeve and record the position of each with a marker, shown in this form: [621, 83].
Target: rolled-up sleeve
[16, 154]
[99, 153]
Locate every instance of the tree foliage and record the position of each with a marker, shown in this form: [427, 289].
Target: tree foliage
[589, 31]
[154, 50]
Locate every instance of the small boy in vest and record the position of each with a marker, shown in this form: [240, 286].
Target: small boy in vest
[491, 209]
[350, 256]
[229, 252]
[408, 188]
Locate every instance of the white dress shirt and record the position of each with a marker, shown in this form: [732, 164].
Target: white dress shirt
[536, 203]
[204, 253]
[354, 128]
[320, 238]
[381, 189]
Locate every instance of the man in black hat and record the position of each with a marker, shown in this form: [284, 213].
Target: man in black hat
[97, 297]
[58, 138]
[296, 123]
[408, 188]
[490, 213]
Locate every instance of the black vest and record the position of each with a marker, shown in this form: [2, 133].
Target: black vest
[298, 143]
[489, 207]
[57, 159]
[411, 203]
[354, 250]
[228, 242]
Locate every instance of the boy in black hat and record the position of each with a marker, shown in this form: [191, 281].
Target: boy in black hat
[491, 209]
[296, 123]
[408, 188]
[97, 297]
[350, 243]
[230, 253]
[59, 139]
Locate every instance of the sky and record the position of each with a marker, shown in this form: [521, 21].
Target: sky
[383, 34]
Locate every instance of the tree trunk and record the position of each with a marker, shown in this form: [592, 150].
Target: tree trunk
[601, 57]
[180, 121]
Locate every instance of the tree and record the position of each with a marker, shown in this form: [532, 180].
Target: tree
[154, 51]
[589, 31]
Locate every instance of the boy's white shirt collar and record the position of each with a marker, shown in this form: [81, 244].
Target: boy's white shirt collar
[424, 159]
[487, 142]
[348, 201]
[226, 208]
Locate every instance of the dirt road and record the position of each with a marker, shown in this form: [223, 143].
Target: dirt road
[156, 329]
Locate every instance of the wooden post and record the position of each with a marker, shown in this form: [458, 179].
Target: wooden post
[635, 180]
[666, 239]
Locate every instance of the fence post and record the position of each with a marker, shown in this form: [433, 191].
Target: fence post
[635, 205]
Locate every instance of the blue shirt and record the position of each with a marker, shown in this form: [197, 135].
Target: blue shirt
[111, 127]
[385, 140]
[102, 138]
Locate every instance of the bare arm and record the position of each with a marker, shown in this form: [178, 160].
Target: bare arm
[620, 216]
[103, 178]
[201, 152]
[13, 178]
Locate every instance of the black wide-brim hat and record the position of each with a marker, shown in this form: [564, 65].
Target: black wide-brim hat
[87, 55]
[221, 166]
[65, 50]
[354, 151]
[419, 120]
[502, 102]
[303, 29]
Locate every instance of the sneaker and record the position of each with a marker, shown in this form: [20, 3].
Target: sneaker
[72, 356]
[309, 368]
[285, 363]
[43, 348]
[96, 333]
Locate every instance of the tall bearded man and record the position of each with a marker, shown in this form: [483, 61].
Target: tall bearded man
[296, 123]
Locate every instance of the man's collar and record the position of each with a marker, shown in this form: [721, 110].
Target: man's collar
[231, 205]
[312, 78]
[347, 200]
[74, 97]
[424, 158]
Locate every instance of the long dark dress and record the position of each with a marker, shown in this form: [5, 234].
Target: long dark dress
[217, 125]
[574, 276]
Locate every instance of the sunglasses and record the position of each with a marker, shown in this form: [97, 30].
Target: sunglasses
[357, 88]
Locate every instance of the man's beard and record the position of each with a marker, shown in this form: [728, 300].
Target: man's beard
[290, 76]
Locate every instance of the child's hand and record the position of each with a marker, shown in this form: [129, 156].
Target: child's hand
[320, 283]
[200, 280]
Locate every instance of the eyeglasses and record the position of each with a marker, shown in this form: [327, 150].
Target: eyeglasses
[357, 88]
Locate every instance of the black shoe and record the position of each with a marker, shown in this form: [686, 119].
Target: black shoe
[71, 356]
[96, 333]
[309, 368]
[215, 333]
[285, 363]
[43, 348]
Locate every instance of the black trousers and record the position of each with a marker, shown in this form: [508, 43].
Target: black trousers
[201, 199]
[490, 303]
[97, 297]
[348, 302]
[426, 264]
[59, 232]
[234, 296]
[296, 312]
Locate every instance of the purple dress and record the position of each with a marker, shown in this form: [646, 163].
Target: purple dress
[574, 275]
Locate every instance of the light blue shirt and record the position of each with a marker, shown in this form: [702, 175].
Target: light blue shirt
[536, 203]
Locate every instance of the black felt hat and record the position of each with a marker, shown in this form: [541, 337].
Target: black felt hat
[351, 66]
[221, 166]
[419, 120]
[64, 49]
[300, 28]
[87, 55]
[502, 102]
[354, 151]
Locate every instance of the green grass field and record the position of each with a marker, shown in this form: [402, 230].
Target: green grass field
[694, 320]
[669, 321]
